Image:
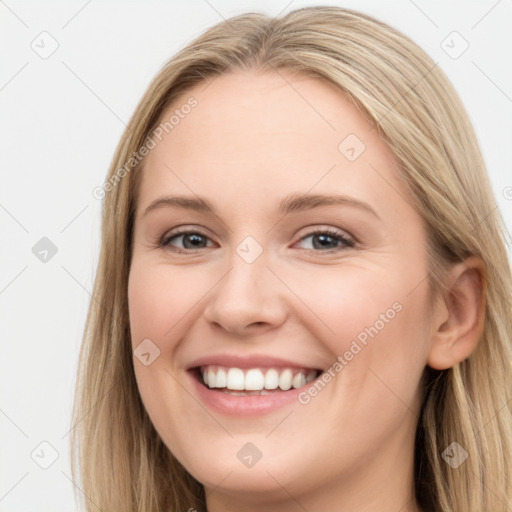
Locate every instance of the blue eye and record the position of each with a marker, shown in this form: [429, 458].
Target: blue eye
[327, 240]
[324, 240]
[190, 239]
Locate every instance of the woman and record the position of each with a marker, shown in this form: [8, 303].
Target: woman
[303, 294]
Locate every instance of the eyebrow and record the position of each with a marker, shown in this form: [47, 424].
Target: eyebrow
[293, 203]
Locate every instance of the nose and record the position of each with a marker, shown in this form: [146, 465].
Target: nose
[249, 299]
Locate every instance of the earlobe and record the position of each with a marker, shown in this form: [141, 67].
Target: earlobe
[460, 314]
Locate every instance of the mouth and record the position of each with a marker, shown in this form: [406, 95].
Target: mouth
[258, 381]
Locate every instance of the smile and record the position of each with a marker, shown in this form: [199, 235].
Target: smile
[248, 386]
[255, 381]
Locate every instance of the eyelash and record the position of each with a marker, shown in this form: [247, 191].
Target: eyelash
[344, 241]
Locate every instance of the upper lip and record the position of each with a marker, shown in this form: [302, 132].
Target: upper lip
[253, 361]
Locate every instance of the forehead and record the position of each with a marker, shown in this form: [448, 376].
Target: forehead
[266, 131]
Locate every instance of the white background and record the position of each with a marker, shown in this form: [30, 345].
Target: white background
[61, 119]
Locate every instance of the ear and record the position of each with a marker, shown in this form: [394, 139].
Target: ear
[459, 315]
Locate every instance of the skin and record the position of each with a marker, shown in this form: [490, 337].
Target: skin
[252, 140]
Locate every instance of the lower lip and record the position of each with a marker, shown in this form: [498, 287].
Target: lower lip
[254, 405]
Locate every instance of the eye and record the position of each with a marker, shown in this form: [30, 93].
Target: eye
[327, 240]
[189, 240]
[323, 240]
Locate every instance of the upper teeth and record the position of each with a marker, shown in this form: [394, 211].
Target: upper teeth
[255, 379]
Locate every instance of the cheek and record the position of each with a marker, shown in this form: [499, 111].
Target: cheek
[378, 351]
[372, 319]
[344, 301]
[159, 301]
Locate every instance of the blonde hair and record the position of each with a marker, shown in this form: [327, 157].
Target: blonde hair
[123, 463]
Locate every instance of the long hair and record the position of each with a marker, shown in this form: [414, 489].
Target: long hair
[118, 459]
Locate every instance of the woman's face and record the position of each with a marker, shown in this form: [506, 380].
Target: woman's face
[309, 258]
